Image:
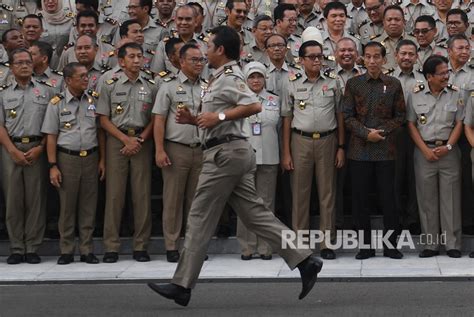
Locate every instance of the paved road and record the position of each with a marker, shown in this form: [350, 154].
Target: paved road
[243, 299]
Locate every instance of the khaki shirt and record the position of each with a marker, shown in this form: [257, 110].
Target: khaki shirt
[344, 75]
[413, 11]
[442, 29]
[251, 52]
[463, 77]
[313, 105]
[357, 16]
[104, 60]
[51, 77]
[22, 110]
[409, 81]
[260, 7]
[390, 45]
[425, 52]
[12, 13]
[469, 117]
[294, 43]
[73, 120]
[329, 48]
[435, 117]
[226, 90]
[368, 31]
[113, 9]
[175, 92]
[57, 35]
[313, 19]
[214, 13]
[128, 104]
[278, 79]
[266, 143]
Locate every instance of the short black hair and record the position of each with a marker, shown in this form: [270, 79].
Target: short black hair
[426, 18]
[11, 55]
[89, 4]
[147, 3]
[394, 7]
[122, 51]
[302, 50]
[44, 48]
[431, 63]
[87, 14]
[197, 6]
[186, 48]
[228, 38]
[277, 35]
[230, 4]
[170, 45]
[404, 43]
[457, 11]
[383, 51]
[123, 30]
[380, 1]
[33, 16]
[70, 69]
[5, 34]
[335, 5]
[456, 37]
[259, 18]
[279, 11]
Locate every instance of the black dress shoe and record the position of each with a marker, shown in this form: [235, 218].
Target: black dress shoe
[471, 255]
[89, 258]
[265, 257]
[393, 254]
[365, 254]
[427, 253]
[172, 256]
[110, 257]
[141, 256]
[309, 270]
[244, 257]
[179, 294]
[15, 258]
[206, 258]
[32, 258]
[328, 254]
[65, 259]
[453, 253]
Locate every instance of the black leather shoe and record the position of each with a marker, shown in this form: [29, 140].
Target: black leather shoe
[15, 258]
[328, 254]
[471, 255]
[89, 258]
[265, 257]
[309, 270]
[65, 259]
[244, 257]
[179, 294]
[172, 256]
[141, 256]
[32, 258]
[110, 257]
[393, 254]
[427, 253]
[206, 258]
[365, 254]
[453, 253]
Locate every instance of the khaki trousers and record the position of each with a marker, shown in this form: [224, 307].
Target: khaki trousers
[314, 157]
[228, 176]
[78, 200]
[118, 167]
[25, 197]
[438, 189]
[179, 185]
[265, 183]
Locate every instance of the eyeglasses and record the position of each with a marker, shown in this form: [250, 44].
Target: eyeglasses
[200, 60]
[421, 31]
[314, 58]
[454, 23]
[21, 63]
[269, 30]
[443, 74]
[373, 8]
[276, 45]
[84, 76]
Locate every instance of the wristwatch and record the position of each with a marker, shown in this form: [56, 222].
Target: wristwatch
[449, 147]
[51, 165]
[221, 116]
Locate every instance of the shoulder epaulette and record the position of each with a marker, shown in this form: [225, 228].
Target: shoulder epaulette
[6, 64]
[70, 15]
[295, 77]
[357, 36]
[44, 83]
[39, 14]
[374, 36]
[442, 45]
[3, 87]
[68, 45]
[296, 35]
[170, 78]
[330, 74]
[418, 87]
[248, 29]
[203, 38]
[151, 52]
[420, 70]
[453, 87]
[151, 81]
[93, 93]
[471, 65]
[146, 71]
[57, 72]
[205, 80]
[388, 71]
[293, 65]
[111, 21]
[163, 73]
[271, 92]
[329, 57]
[111, 80]
[228, 69]
[57, 98]
[6, 7]
[104, 68]
[363, 23]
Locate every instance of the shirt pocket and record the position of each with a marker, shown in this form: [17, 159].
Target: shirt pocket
[67, 121]
[449, 112]
[12, 113]
[39, 107]
[118, 105]
[421, 109]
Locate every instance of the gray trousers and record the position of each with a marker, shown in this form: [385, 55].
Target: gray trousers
[438, 189]
[228, 176]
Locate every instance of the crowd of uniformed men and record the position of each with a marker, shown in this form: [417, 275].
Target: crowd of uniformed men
[91, 90]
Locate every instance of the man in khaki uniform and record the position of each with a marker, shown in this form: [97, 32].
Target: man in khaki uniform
[22, 108]
[42, 53]
[435, 115]
[311, 116]
[73, 144]
[372, 27]
[178, 151]
[227, 174]
[125, 107]
[285, 17]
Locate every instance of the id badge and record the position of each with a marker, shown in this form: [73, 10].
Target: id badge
[256, 128]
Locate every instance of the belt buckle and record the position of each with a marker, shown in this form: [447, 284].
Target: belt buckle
[25, 140]
[316, 135]
[131, 132]
[438, 143]
[83, 153]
